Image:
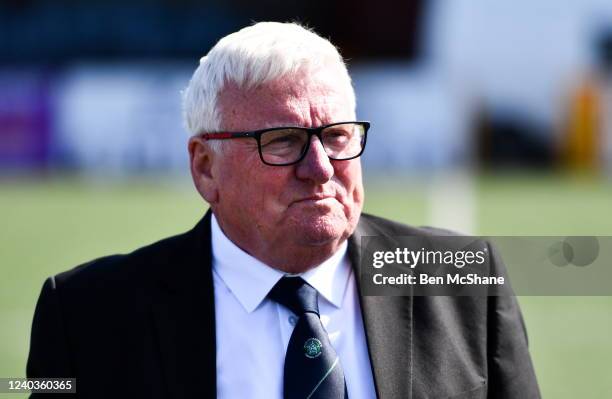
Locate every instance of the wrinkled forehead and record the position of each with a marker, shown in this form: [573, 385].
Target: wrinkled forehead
[306, 98]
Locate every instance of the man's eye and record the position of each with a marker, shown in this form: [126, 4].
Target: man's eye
[283, 140]
[337, 136]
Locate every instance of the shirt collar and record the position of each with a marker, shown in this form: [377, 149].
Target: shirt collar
[250, 280]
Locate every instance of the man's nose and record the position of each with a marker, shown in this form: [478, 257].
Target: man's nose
[316, 165]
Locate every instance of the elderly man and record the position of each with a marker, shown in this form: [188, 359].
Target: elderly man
[261, 299]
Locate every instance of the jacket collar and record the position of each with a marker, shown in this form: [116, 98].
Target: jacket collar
[184, 314]
[388, 324]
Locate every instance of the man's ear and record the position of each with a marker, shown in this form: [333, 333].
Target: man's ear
[202, 158]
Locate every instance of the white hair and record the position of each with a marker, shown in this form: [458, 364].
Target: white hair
[254, 55]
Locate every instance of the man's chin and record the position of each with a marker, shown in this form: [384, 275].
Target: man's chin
[320, 230]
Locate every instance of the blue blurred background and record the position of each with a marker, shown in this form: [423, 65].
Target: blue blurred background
[487, 117]
[93, 86]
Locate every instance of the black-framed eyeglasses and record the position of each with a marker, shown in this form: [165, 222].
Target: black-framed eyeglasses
[281, 146]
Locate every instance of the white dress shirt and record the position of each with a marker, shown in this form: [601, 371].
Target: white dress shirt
[253, 332]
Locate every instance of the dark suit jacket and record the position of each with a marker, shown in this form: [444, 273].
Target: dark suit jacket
[143, 325]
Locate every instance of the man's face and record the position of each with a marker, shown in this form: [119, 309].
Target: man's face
[312, 205]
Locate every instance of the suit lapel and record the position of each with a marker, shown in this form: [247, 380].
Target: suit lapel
[184, 316]
[388, 327]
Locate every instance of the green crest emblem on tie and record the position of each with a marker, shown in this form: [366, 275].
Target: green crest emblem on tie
[312, 348]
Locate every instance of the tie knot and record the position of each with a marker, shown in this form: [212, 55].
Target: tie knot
[296, 294]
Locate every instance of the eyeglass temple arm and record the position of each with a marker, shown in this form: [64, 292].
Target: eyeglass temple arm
[212, 136]
[224, 135]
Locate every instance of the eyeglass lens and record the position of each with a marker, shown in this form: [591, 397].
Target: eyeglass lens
[282, 146]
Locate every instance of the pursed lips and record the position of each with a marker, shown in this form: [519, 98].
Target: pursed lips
[314, 198]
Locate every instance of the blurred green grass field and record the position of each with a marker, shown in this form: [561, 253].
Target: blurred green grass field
[52, 224]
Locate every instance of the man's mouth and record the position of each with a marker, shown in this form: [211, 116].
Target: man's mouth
[314, 199]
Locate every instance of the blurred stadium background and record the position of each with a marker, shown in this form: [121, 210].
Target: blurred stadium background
[488, 117]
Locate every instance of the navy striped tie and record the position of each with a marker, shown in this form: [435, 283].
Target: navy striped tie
[312, 367]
